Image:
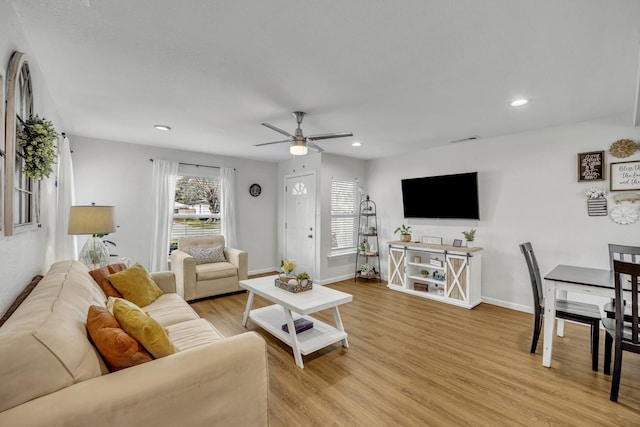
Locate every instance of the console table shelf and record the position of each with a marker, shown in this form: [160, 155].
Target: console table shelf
[452, 273]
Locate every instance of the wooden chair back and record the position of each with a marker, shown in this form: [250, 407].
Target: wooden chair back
[534, 274]
[623, 253]
[626, 279]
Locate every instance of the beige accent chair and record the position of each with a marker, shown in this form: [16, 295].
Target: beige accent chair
[204, 280]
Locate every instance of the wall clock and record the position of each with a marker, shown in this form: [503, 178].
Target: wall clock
[255, 190]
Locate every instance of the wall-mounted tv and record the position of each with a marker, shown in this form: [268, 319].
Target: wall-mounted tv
[444, 196]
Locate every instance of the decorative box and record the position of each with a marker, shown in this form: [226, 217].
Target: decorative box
[300, 286]
[421, 287]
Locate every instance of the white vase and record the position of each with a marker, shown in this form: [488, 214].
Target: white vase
[469, 244]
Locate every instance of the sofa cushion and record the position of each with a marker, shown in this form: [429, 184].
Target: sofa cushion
[44, 345]
[207, 255]
[143, 328]
[116, 347]
[218, 270]
[136, 285]
[193, 333]
[101, 276]
[170, 309]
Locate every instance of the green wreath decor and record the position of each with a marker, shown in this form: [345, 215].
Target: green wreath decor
[36, 138]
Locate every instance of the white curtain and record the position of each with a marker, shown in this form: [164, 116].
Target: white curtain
[228, 207]
[163, 193]
[65, 245]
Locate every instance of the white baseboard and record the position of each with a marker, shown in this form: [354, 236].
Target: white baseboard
[264, 270]
[507, 304]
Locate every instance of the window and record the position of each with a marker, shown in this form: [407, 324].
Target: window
[196, 211]
[343, 214]
[20, 194]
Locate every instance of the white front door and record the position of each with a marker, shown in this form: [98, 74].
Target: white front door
[300, 221]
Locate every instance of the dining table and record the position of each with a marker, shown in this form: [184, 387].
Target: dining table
[569, 278]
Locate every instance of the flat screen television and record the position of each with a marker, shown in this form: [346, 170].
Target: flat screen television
[444, 197]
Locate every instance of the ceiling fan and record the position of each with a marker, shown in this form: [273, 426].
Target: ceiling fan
[298, 143]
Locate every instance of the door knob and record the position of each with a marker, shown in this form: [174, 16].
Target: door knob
[310, 236]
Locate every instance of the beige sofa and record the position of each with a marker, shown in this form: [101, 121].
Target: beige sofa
[195, 281]
[51, 374]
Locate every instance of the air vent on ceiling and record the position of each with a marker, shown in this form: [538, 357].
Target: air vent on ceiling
[469, 138]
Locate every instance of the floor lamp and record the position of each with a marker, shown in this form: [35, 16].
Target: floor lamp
[97, 221]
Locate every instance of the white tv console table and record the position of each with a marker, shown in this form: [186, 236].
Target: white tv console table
[441, 272]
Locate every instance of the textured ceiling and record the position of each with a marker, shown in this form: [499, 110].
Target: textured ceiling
[400, 75]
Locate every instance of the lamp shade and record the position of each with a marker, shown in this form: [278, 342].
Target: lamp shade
[91, 220]
[298, 148]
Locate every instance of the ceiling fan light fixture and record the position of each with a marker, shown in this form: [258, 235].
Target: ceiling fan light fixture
[162, 127]
[298, 148]
[356, 144]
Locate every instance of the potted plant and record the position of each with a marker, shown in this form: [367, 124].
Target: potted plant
[363, 246]
[405, 235]
[424, 273]
[287, 266]
[303, 278]
[469, 236]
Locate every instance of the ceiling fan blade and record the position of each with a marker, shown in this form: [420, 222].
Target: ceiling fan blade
[314, 146]
[274, 142]
[272, 127]
[329, 136]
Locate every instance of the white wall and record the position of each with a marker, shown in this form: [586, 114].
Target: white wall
[26, 254]
[528, 192]
[119, 174]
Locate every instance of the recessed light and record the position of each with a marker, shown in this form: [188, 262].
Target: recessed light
[519, 102]
[162, 127]
[356, 144]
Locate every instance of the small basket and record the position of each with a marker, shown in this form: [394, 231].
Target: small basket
[302, 285]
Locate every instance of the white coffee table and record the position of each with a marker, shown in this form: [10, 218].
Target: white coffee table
[291, 306]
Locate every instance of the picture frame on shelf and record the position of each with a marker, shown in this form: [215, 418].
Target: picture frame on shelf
[457, 243]
[624, 176]
[432, 240]
[591, 166]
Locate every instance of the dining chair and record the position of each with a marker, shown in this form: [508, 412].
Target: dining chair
[624, 328]
[575, 311]
[621, 253]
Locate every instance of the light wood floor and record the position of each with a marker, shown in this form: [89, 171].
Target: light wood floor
[417, 362]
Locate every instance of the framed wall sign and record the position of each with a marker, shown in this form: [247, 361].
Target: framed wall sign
[625, 176]
[432, 240]
[591, 166]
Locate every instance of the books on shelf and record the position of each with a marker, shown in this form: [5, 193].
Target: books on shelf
[300, 325]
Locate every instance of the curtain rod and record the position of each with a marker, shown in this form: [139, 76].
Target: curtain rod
[198, 166]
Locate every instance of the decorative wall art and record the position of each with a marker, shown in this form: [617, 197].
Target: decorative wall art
[627, 208]
[625, 176]
[432, 240]
[591, 166]
[623, 148]
[596, 201]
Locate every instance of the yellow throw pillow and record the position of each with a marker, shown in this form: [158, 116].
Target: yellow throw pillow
[143, 328]
[136, 285]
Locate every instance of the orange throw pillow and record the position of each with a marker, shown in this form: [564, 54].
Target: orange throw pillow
[101, 276]
[118, 349]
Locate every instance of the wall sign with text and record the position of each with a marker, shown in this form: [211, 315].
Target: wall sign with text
[591, 166]
[625, 176]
